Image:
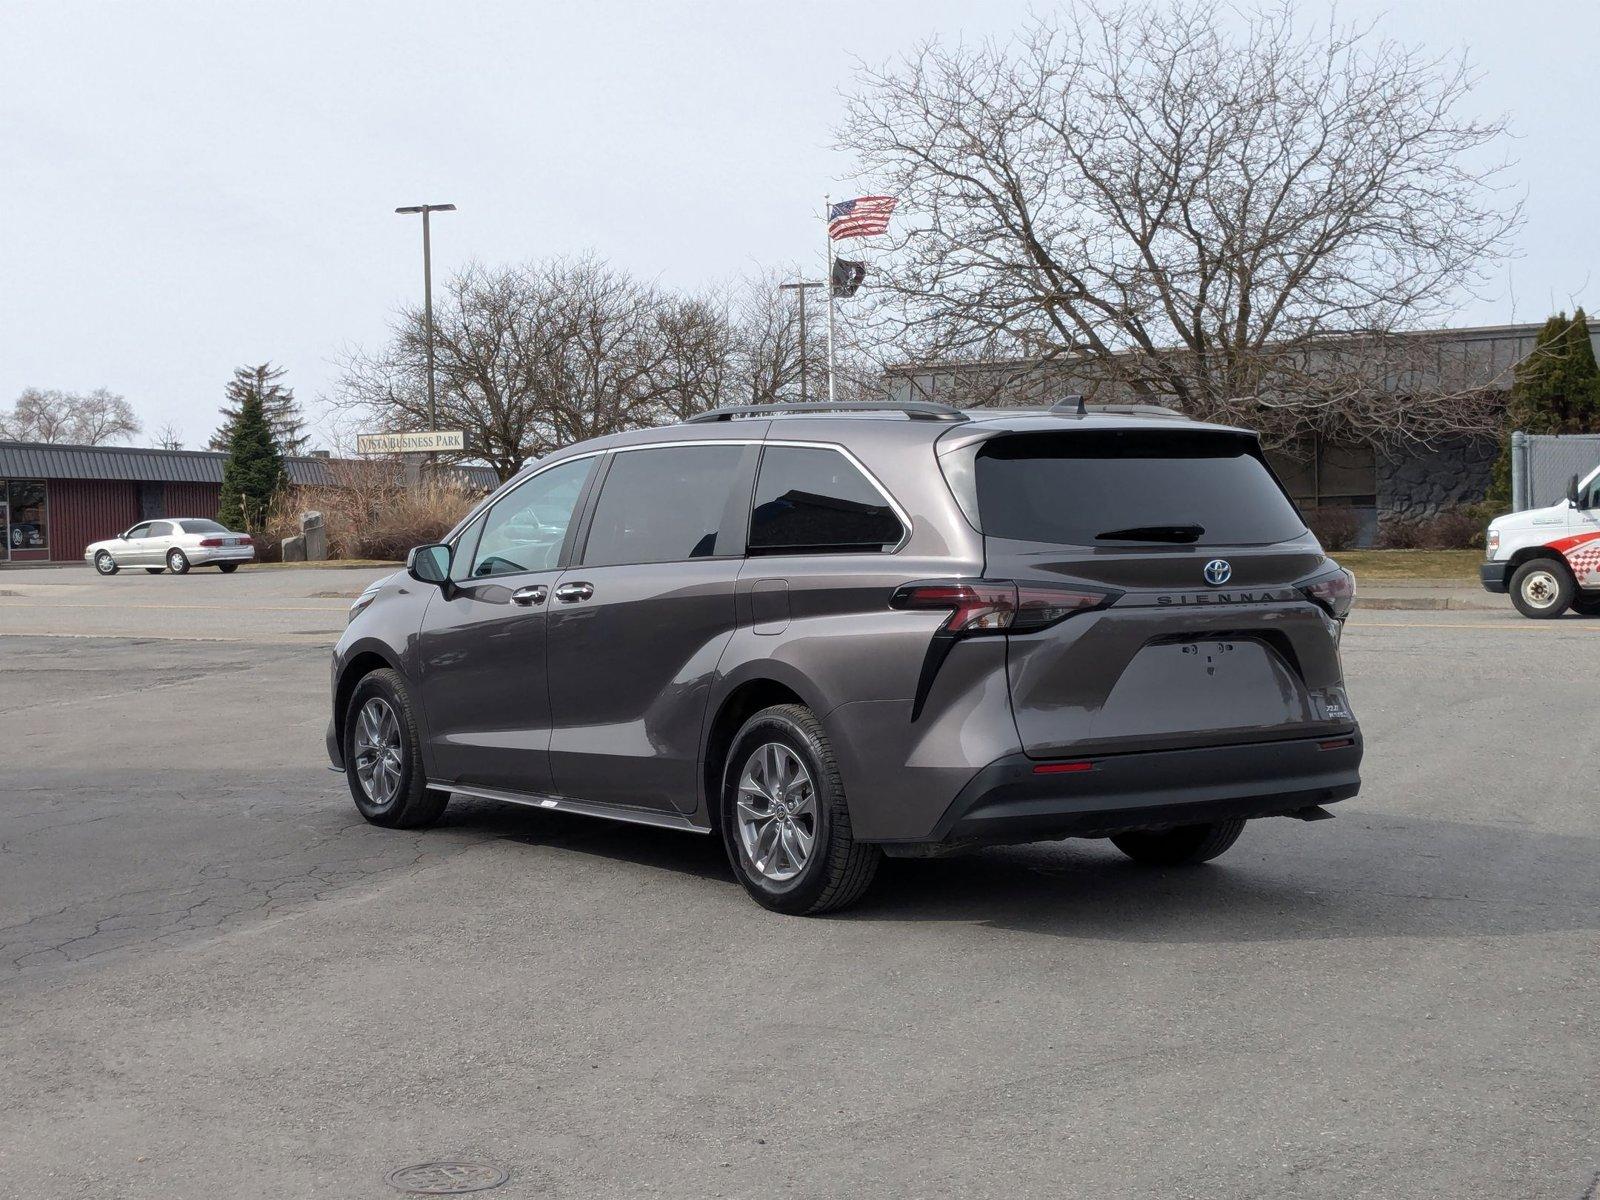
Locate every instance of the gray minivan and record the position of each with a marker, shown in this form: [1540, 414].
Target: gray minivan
[830, 633]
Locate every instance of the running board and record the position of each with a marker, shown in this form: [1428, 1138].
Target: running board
[584, 808]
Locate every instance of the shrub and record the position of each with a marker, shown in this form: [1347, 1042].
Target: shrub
[369, 512]
[1337, 528]
[1453, 529]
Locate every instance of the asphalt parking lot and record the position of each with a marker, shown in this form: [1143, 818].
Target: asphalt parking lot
[216, 981]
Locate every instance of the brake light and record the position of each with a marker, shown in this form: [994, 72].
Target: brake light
[998, 605]
[211, 541]
[1335, 592]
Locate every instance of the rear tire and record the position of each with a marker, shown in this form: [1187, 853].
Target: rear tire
[785, 822]
[178, 562]
[227, 568]
[383, 755]
[1183, 846]
[1586, 606]
[105, 564]
[1542, 588]
[154, 570]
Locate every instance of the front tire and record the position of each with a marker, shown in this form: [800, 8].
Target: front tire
[785, 821]
[1180, 847]
[177, 562]
[154, 570]
[1542, 588]
[383, 755]
[105, 564]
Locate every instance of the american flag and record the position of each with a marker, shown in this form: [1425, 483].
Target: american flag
[861, 217]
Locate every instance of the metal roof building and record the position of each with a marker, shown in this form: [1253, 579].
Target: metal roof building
[55, 499]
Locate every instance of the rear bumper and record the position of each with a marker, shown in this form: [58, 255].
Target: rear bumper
[237, 554]
[1008, 801]
[1495, 577]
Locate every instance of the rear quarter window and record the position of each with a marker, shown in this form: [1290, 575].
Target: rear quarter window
[1131, 487]
[814, 500]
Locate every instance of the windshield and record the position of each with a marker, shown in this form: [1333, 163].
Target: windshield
[1131, 487]
[202, 527]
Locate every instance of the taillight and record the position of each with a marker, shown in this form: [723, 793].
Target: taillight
[1335, 592]
[211, 541]
[998, 605]
[980, 606]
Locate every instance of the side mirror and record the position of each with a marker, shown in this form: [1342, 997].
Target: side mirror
[429, 564]
[1572, 491]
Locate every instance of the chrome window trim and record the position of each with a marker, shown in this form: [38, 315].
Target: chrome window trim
[877, 484]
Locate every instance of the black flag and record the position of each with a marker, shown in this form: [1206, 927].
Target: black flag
[847, 277]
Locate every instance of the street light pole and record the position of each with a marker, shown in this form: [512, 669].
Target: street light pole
[427, 296]
[802, 287]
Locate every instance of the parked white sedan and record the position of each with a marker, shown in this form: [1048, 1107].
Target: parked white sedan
[174, 544]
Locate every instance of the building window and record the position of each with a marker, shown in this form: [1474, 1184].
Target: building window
[1320, 474]
[30, 528]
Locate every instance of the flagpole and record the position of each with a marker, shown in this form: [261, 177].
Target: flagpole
[827, 283]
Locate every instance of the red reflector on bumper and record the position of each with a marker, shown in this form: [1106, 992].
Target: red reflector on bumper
[1336, 744]
[1062, 768]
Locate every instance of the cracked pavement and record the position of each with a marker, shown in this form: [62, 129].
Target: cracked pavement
[216, 981]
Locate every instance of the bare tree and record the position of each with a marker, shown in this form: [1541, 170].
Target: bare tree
[84, 419]
[1184, 210]
[169, 436]
[534, 357]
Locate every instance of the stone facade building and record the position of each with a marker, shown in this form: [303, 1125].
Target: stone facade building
[1378, 480]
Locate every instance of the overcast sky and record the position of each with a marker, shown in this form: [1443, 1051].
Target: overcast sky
[188, 186]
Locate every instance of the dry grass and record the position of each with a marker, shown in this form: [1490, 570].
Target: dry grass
[371, 516]
[1439, 566]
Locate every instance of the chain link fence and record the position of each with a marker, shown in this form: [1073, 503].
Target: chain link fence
[1542, 463]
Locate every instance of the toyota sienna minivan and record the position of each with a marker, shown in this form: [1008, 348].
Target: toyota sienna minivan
[830, 633]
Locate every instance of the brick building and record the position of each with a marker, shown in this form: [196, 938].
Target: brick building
[55, 500]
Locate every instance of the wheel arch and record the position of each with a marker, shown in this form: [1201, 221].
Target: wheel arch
[354, 669]
[1529, 553]
[742, 702]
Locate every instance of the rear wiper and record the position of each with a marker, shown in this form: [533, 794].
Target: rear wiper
[1153, 533]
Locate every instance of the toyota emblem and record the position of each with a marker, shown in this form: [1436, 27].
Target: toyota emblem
[1218, 572]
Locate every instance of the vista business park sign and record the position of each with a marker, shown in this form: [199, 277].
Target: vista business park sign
[421, 442]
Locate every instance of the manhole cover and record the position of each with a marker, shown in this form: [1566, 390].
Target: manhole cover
[445, 1178]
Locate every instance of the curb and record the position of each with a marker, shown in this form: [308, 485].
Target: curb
[1428, 604]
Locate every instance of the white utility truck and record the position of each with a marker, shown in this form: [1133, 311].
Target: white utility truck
[1549, 558]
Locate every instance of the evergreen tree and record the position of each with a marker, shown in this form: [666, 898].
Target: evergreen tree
[283, 411]
[253, 474]
[1556, 389]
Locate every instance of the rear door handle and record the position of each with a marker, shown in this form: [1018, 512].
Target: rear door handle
[570, 593]
[530, 595]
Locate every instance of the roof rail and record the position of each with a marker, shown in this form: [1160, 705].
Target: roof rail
[915, 410]
[1074, 406]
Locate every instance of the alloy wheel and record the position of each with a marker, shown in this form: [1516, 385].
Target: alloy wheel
[378, 753]
[776, 811]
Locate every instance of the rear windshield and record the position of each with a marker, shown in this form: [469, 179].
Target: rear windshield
[202, 527]
[1131, 487]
